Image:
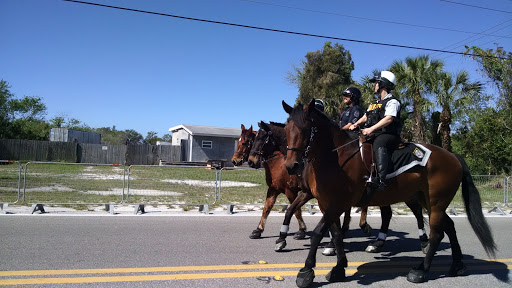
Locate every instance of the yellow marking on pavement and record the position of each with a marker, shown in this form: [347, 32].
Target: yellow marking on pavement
[392, 267]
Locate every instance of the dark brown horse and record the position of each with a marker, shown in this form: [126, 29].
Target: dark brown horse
[336, 178]
[244, 146]
[269, 148]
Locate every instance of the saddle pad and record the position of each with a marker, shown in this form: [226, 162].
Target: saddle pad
[407, 156]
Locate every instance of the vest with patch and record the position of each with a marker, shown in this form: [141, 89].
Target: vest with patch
[376, 112]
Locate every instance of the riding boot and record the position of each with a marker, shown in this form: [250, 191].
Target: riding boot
[382, 161]
[377, 183]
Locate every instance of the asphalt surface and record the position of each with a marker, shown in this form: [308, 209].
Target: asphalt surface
[197, 250]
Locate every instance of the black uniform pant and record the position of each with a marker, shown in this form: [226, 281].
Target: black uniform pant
[383, 146]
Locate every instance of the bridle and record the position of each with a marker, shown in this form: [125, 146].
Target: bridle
[245, 154]
[304, 151]
[261, 153]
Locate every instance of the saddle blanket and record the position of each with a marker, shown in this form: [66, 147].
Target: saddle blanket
[407, 156]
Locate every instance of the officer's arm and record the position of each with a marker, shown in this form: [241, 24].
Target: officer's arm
[382, 123]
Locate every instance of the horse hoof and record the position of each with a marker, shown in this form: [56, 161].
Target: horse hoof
[305, 277]
[335, 275]
[367, 229]
[375, 247]
[424, 247]
[457, 269]
[329, 251]
[256, 234]
[280, 245]
[301, 234]
[416, 276]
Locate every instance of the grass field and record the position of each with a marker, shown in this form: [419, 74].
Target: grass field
[59, 183]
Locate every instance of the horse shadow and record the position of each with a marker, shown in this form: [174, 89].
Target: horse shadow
[390, 268]
[355, 240]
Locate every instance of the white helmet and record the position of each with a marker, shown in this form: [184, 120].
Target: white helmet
[387, 78]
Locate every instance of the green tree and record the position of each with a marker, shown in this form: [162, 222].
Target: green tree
[324, 75]
[454, 94]
[497, 66]
[415, 79]
[152, 138]
[486, 145]
[21, 118]
[167, 138]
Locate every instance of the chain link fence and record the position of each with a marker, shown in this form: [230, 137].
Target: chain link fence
[84, 183]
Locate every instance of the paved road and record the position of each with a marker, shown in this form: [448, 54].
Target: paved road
[215, 251]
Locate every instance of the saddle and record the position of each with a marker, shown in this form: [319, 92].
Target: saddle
[406, 156]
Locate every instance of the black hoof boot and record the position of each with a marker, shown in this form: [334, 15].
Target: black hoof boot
[457, 269]
[256, 234]
[329, 249]
[335, 275]
[417, 276]
[301, 234]
[376, 246]
[367, 229]
[280, 245]
[305, 277]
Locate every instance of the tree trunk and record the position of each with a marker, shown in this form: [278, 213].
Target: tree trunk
[446, 120]
[419, 122]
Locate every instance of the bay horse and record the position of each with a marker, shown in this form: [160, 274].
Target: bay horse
[275, 182]
[244, 146]
[337, 180]
[269, 150]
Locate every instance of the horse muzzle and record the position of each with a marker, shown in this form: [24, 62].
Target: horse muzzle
[293, 168]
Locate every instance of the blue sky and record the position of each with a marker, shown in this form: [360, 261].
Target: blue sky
[145, 72]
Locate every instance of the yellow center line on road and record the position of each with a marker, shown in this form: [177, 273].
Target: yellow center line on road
[393, 268]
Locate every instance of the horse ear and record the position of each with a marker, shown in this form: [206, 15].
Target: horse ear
[250, 130]
[243, 127]
[287, 108]
[265, 126]
[311, 105]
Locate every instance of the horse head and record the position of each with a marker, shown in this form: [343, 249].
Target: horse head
[264, 145]
[244, 146]
[298, 131]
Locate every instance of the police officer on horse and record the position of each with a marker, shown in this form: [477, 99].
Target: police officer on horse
[352, 111]
[382, 125]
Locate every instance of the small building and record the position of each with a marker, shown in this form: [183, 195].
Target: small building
[202, 143]
[69, 135]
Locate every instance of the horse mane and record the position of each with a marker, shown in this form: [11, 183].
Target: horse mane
[277, 124]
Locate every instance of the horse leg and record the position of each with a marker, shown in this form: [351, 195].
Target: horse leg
[385, 215]
[457, 268]
[269, 203]
[301, 234]
[301, 199]
[337, 273]
[417, 210]
[307, 274]
[419, 274]
[367, 229]
[330, 248]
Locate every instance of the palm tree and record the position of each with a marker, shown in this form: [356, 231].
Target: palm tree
[415, 78]
[454, 95]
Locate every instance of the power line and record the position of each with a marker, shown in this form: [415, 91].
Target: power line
[272, 30]
[369, 19]
[473, 38]
[474, 6]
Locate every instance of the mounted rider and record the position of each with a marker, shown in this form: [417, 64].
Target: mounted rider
[382, 126]
[352, 111]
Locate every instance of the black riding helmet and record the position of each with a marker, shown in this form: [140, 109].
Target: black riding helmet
[353, 93]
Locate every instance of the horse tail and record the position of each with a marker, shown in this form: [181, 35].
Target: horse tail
[473, 205]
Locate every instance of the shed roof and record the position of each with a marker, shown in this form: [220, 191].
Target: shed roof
[199, 130]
